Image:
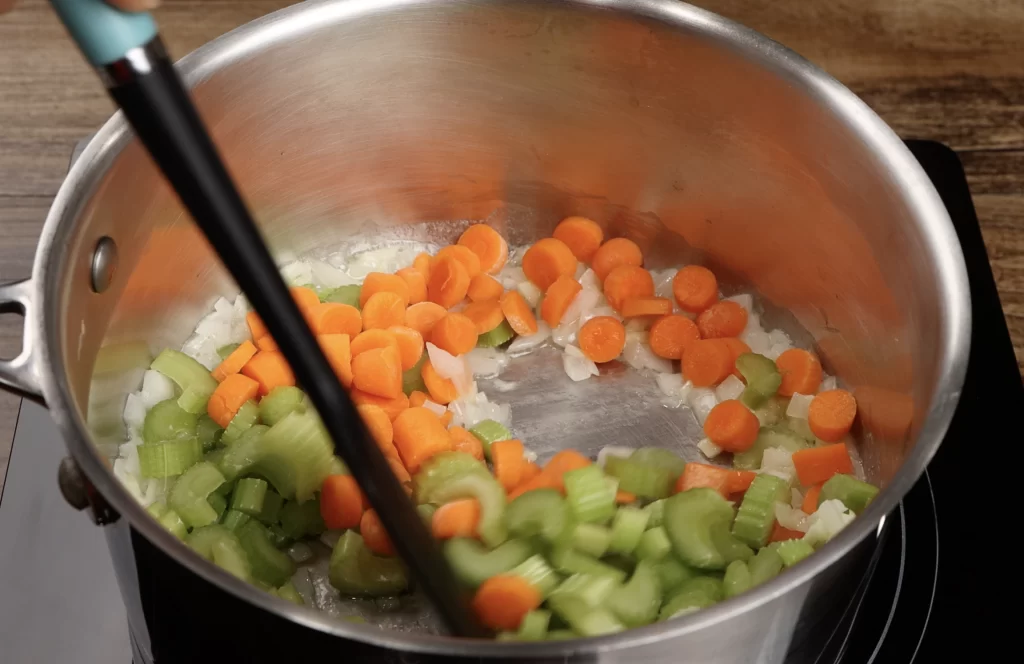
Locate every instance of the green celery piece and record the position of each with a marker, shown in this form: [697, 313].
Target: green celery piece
[730, 546]
[490, 431]
[541, 512]
[194, 379]
[793, 551]
[637, 602]
[761, 376]
[268, 564]
[654, 545]
[854, 493]
[591, 539]
[226, 350]
[570, 561]
[772, 411]
[412, 378]
[427, 510]
[627, 529]
[442, 469]
[584, 620]
[295, 456]
[737, 579]
[243, 420]
[288, 592]
[169, 519]
[591, 494]
[561, 635]
[271, 510]
[168, 421]
[773, 436]
[473, 563]
[697, 593]
[233, 520]
[673, 574]
[536, 571]
[496, 337]
[697, 523]
[756, 515]
[281, 401]
[169, 458]
[355, 570]
[219, 503]
[278, 536]
[208, 432]
[534, 626]
[593, 590]
[190, 492]
[491, 496]
[300, 520]
[221, 546]
[656, 513]
[344, 295]
[764, 566]
[646, 480]
[659, 456]
[248, 495]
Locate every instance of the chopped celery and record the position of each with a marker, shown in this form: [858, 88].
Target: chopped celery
[169, 458]
[226, 350]
[221, 546]
[672, 574]
[169, 519]
[656, 513]
[772, 411]
[570, 561]
[761, 376]
[496, 337]
[268, 564]
[773, 436]
[591, 494]
[637, 602]
[344, 295]
[219, 503]
[756, 515]
[793, 551]
[653, 545]
[659, 456]
[194, 379]
[442, 469]
[561, 635]
[764, 566]
[697, 523]
[643, 479]
[295, 456]
[737, 579]
[536, 571]
[593, 590]
[271, 510]
[539, 512]
[278, 536]
[852, 492]
[534, 626]
[166, 420]
[233, 520]
[584, 620]
[355, 570]
[491, 496]
[243, 420]
[189, 494]
[412, 378]
[697, 593]
[208, 432]
[248, 495]
[427, 510]
[627, 529]
[489, 431]
[281, 400]
[288, 592]
[473, 563]
[300, 520]
[591, 539]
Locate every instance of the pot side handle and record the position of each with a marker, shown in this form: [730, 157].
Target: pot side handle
[19, 375]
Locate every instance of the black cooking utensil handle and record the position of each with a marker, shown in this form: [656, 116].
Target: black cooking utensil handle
[147, 88]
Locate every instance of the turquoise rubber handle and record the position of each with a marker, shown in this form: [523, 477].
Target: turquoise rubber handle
[103, 32]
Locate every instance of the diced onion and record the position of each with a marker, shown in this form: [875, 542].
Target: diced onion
[486, 362]
[745, 300]
[328, 276]
[663, 283]
[156, 387]
[331, 537]
[134, 412]
[524, 344]
[796, 499]
[585, 301]
[709, 449]
[578, 368]
[778, 461]
[799, 404]
[640, 356]
[435, 408]
[830, 518]
[300, 552]
[790, 517]
[564, 335]
[827, 383]
[730, 388]
[671, 384]
[702, 400]
[530, 293]
[600, 310]
[590, 281]
[620, 451]
[780, 343]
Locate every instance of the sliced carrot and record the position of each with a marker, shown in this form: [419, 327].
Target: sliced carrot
[701, 475]
[831, 414]
[378, 371]
[625, 283]
[338, 350]
[530, 470]
[484, 287]
[624, 497]
[266, 342]
[815, 465]
[518, 313]
[670, 335]
[422, 265]
[546, 261]
[695, 288]
[393, 407]
[722, 319]
[462, 254]
[488, 245]
[342, 502]
[557, 299]
[732, 426]
[270, 370]
[707, 362]
[740, 481]
[375, 535]
[446, 419]
[455, 333]
[810, 503]
[448, 283]
[458, 518]
[552, 476]
[379, 425]
[229, 396]
[801, 372]
[257, 329]
[383, 310]
[417, 398]
[507, 459]
[602, 338]
[305, 298]
[615, 253]
[401, 474]
[501, 602]
[335, 318]
[781, 533]
[736, 348]
[464, 441]
[234, 362]
[416, 282]
[410, 345]
[423, 316]
[583, 236]
[419, 435]
[371, 339]
[442, 390]
[485, 314]
[380, 282]
[646, 306]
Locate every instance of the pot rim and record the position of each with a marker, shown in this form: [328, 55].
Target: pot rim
[905, 173]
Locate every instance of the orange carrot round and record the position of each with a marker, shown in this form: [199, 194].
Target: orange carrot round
[815, 465]
[583, 236]
[518, 313]
[335, 318]
[378, 371]
[423, 315]
[410, 345]
[375, 535]
[602, 338]
[454, 333]
[401, 474]
[547, 260]
[501, 602]
[379, 425]
[707, 362]
[507, 459]
[257, 329]
[801, 372]
[419, 435]
[383, 310]
[740, 481]
[625, 283]
[462, 254]
[442, 390]
[380, 282]
[488, 245]
[305, 298]
[448, 283]
[831, 414]
[416, 282]
[695, 288]
[229, 396]
[636, 307]
[530, 471]
[458, 518]
[722, 319]
[615, 253]
[338, 350]
[810, 503]
[341, 502]
[557, 299]
[417, 398]
[270, 370]
[670, 335]
[485, 314]
[234, 362]
[422, 265]
[464, 441]
[732, 426]
[266, 342]
[393, 407]
[484, 287]
[370, 339]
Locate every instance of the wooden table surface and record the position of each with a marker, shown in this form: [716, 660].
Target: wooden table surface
[946, 70]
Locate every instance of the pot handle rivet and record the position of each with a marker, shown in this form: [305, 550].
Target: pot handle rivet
[72, 484]
[104, 263]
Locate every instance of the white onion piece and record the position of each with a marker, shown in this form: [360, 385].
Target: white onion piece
[798, 406]
[331, 537]
[663, 283]
[709, 449]
[796, 499]
[328, 276]
[620, 451]
[600, 310]
[156, 387]
[297, 273]
[530, 293]
[778, 461]
[510, 276]
[830, 518]
[590, 281]
[435, 408]
[827, 383]
[134, 412]
[754, 335]
[203, 351]
[300, 552]
[578, 368]
[504, 385]
[564, 335]
[128, 479]
[671, 384]
[702, 400]
[730, 388]
[486, 362]
[447, 365]
[585, 301]
[469, 411]
[780, 343]
[745, 300]
[524, 344]
[640, 356]
[790, 517]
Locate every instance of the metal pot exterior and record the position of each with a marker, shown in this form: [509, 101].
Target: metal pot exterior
[693, 136]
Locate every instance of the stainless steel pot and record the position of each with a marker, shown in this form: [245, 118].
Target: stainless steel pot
[692, 135]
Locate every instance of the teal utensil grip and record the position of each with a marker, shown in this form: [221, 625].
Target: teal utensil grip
[103, 32]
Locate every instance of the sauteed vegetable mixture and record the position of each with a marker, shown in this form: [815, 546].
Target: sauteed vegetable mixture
[228, 455]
